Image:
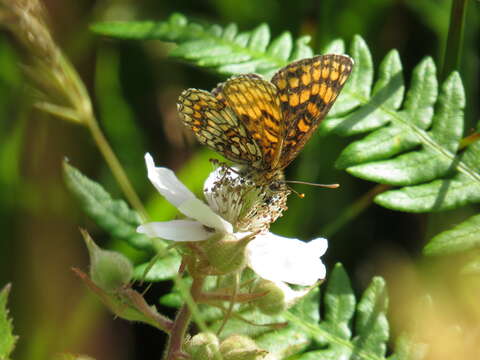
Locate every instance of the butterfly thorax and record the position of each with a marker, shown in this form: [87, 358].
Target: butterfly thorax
[273, 179]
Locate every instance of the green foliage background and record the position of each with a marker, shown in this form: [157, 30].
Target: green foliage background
[135, 85]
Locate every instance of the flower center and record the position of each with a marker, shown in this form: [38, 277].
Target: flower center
[247, 203]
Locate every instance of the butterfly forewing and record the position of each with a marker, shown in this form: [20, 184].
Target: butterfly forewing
[307, 90]
[217, 126]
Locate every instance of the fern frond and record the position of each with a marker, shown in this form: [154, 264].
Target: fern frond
[364, 338]
[411, 144]
[347, 329]
[226, 50]
[463, 237]
[414, 144]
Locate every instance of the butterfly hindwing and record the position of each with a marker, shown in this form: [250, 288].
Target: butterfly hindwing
[217, 126]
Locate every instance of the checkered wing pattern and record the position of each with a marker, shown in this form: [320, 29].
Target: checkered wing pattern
[257, 106]
[307, 90]
[217, 126]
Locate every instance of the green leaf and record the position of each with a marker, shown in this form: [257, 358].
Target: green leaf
[350, 330]
[126, 303]
[441, 143]
[371, 322]
[282, 46]
[413, 145]
[113, 216]
[173, 300]
[358, 86]
[165, 268]
[340, 304]
[260, 38]
[307, 309]
[7, 339]
[337, 46]
[223, 49]
[389, 141]
[284, 342]
[462, 237]
[461, 189]
[407, 350]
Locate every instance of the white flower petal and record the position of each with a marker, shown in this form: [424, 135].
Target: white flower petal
[278, 258]
[318, 246]
[167, 183]
[176, 230]
[198, 210]
[292, 296]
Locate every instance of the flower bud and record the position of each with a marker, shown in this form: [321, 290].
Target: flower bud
[109, 270]
[236, 342]
[226, 254]
[203, 346]
[239, 347]
[274, 301]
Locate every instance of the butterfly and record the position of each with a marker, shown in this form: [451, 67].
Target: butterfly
[265, 124]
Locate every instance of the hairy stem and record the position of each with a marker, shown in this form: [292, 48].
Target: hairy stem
[182, 321]
[141, 305]
[207, 298]
[181, 324]
[229, 311]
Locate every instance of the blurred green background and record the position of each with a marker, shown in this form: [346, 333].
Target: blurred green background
[134, 86]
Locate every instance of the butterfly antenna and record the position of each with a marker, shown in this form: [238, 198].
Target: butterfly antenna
[300, 195]
[328, 186]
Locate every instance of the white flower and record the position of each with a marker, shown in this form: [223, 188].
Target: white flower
[281, 259]
[272, 257]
